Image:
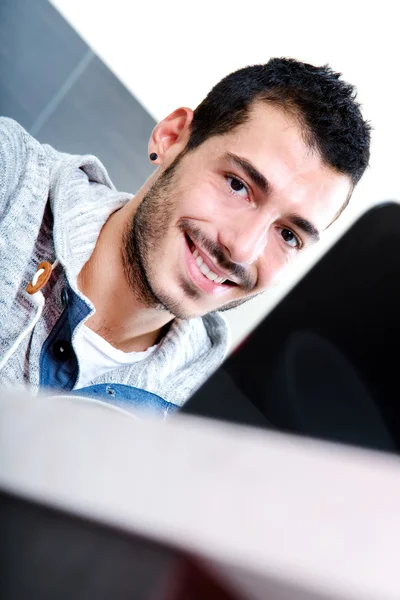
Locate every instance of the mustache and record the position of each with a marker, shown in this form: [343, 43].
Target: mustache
[238, 272]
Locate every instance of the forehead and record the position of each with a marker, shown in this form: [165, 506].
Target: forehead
[273, 132]
[273, 141]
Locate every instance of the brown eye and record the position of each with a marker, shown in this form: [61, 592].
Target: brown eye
[290, 238]
[237, 187]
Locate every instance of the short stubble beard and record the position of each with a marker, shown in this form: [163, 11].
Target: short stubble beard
[141, 239]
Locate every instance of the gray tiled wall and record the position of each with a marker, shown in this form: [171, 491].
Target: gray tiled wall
[62, 93]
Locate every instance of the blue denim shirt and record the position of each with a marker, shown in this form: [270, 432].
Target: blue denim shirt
[59, 365]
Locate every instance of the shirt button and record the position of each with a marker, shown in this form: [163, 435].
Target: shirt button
[64, 297]
[61, 350]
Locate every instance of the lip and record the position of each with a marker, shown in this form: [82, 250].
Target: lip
[210, 264]
[200, 281]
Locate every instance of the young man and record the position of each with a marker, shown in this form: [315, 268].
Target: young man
[125, 303]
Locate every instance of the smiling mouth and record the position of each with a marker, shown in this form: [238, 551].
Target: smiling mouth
[205, 269]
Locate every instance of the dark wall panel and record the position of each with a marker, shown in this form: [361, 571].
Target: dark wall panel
[63, 94]
[38, 52]
[99, 116]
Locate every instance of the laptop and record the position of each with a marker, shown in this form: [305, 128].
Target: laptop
[74, 498]
[325, 362]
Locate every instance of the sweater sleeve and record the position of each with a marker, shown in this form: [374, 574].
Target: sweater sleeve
[13, 159]
[24, 170]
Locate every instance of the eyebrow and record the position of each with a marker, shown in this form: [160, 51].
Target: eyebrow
[261, 182]
[305, 226]
[257, 178]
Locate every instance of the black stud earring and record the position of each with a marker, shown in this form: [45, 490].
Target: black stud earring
[153, 156]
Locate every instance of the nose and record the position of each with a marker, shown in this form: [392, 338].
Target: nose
[246, 239]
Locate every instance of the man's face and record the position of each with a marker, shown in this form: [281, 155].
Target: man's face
[228, 219]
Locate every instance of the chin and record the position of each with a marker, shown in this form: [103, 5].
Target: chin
[181, 303]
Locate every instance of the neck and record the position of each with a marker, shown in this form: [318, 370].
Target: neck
[120, 318]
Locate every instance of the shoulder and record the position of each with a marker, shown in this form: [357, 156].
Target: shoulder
[217, 329]
[19, 153]
[13, 139]
[18, 147]
[204, 337]
[24, 165]
[203, 343]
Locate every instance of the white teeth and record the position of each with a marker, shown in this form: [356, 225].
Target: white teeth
[205, 269]
[211, 275]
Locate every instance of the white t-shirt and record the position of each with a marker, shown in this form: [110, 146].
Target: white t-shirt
[96, 356]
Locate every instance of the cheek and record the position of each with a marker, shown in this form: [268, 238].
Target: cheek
[207, 199]
[274, 265]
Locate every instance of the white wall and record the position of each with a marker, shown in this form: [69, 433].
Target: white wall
[170, 53]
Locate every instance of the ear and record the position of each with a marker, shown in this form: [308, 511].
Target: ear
[171, 135]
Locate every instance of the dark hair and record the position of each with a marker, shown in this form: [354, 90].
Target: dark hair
[324, 104]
